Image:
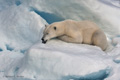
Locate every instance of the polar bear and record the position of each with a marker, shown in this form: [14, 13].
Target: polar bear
[86, 32]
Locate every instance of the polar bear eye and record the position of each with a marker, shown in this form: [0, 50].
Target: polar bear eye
[46, 33]
[55, 28]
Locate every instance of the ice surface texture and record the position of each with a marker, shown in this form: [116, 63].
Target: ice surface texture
[24, 57]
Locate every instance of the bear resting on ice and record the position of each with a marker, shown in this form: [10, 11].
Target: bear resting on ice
[71, 31]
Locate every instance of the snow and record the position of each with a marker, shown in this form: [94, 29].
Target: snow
[24, 57]
[22, 27]
[65, 62]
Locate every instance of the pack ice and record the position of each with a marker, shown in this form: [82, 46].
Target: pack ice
[24, 57]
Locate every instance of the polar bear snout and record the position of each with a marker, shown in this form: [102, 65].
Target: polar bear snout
[43, 41]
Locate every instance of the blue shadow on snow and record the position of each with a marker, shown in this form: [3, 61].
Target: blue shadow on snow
[101, 75]
[18, 2]
[23, 51]
[9, 48]
[1, 50]
[49, 17]
[117, 61]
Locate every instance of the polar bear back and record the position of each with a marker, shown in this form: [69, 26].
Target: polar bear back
[85, 28]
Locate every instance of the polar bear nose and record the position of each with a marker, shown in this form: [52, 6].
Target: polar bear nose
[43, 41]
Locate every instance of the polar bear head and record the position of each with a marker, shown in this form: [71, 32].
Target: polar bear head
[52, 31]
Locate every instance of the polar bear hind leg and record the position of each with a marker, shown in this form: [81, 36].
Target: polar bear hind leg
[99, 39]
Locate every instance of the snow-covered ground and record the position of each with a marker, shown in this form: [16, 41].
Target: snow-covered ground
[24, 57]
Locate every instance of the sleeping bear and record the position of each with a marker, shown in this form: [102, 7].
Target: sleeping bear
[81, 32]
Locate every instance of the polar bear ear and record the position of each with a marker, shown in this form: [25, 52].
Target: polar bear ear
[46, 25]
[55, 28]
